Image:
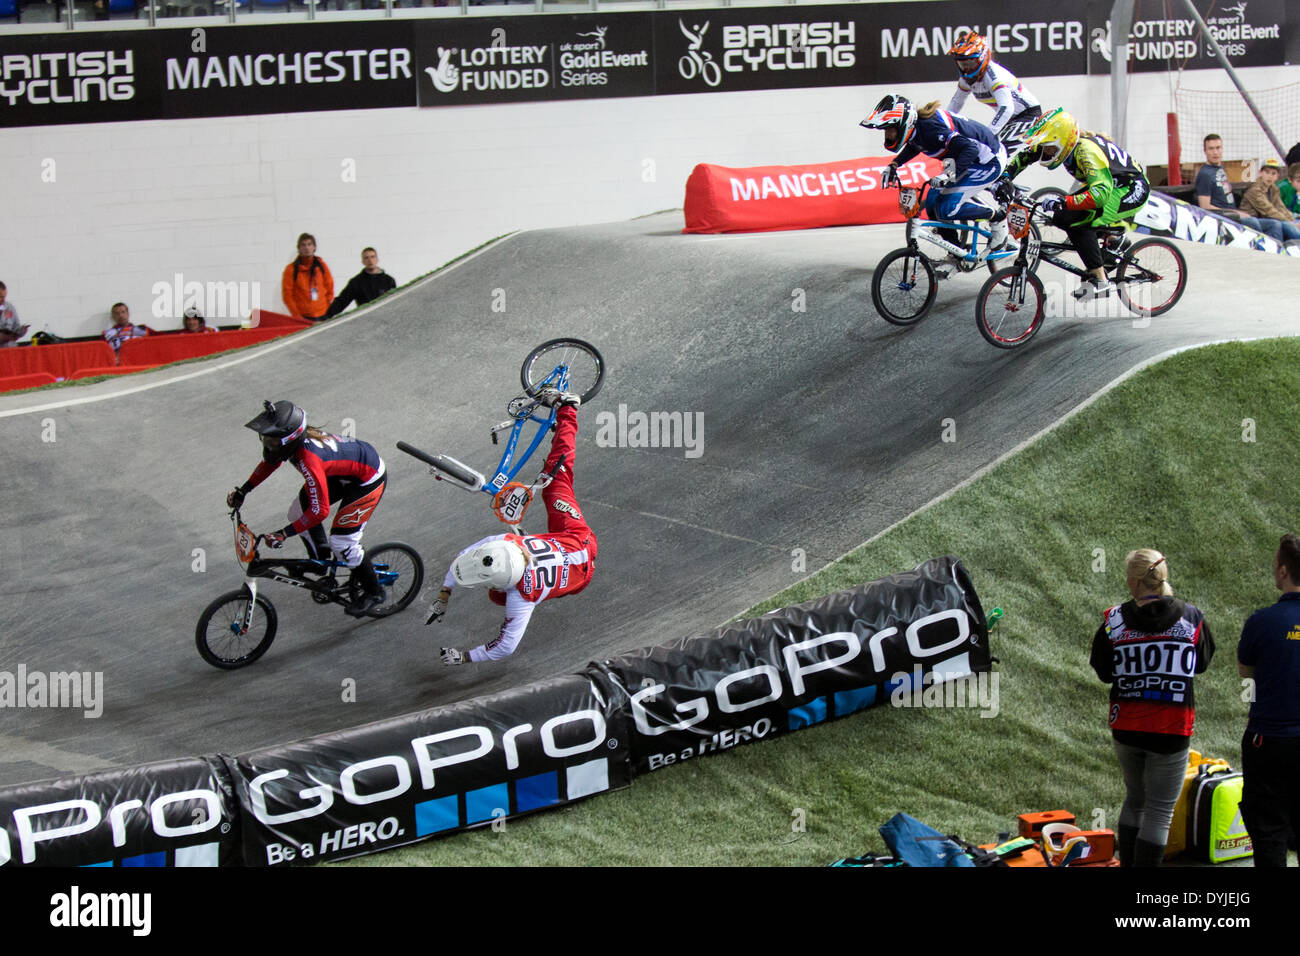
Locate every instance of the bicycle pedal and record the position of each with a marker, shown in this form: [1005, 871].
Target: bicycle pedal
[941, 272]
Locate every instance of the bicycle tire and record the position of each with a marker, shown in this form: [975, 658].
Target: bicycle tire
[1035, 251]
[390, 557]
[224, 647]
[1158, 253]
[1055, 235]
[1040, 194]
[586, 367]
[993, 312]
[906, 284]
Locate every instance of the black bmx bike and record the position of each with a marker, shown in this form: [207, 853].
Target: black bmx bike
[1149, 275]
[238, 627]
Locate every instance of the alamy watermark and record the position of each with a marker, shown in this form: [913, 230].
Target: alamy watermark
[78, 689]
[933, 689]
[215, 300]
[651, 430]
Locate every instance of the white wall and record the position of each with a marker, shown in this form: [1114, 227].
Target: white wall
[223, 200]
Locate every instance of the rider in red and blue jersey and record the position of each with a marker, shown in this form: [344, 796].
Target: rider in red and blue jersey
[346, 470]
[976, 153]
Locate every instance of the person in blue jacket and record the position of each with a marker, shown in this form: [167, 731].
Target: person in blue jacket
[976, 154]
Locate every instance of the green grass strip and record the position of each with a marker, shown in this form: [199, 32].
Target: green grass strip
[1163, 460]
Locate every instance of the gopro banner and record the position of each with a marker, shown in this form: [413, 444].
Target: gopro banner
[760, 198]
[799, 666]
[176, 813]
[451, 768]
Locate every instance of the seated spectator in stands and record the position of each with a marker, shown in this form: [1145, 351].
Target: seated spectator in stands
[307, 285]
[1289, 189]
[122, 329]
[194, 321]
[366, 286]
[1263, 200]
[10, 329]
[1214, 192]
[1293, 155]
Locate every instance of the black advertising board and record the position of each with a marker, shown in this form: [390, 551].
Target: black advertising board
[55, 78]
[174, 72]
[908, 42]
[174, 813]
[286, 68]
[1163, 37]
[759, 48]
[476, 60]
[798, 666]
[402, 780]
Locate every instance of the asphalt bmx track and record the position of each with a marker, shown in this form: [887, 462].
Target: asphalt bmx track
[821, 427]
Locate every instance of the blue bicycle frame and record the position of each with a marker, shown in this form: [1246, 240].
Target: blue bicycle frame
[522, 410]
[971, 255]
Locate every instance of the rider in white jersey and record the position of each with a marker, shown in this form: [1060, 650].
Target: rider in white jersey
[1015, 109]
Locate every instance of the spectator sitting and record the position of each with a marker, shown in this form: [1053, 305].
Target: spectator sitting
[307, 285]
[10, 329]
[1264, 201]
[366, 286]
[194, 321]
[1289, 189]
[1214, 192]
[122, 329]
[1293, 155]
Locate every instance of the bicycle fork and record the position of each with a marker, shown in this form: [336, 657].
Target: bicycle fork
[250, 585]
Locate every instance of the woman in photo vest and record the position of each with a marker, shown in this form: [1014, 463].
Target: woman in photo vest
[1148, 649]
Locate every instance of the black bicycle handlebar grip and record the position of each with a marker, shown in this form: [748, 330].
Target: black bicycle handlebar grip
[416, 453]
[558, 465]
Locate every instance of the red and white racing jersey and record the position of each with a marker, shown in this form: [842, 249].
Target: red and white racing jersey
[558, 565]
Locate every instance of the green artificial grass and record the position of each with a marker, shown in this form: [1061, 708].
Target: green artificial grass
[1159, 461]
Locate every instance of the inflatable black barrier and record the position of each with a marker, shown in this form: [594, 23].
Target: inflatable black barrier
[540, 746]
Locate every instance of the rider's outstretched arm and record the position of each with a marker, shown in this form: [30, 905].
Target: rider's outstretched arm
[518, 612]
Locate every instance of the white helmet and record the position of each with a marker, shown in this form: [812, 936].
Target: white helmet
[498, 564]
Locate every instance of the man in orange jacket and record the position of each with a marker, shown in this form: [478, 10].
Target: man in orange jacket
[308, 285]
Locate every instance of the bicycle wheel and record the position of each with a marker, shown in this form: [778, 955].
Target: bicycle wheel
[221, 637]
[584, 362]
[1035, 250]
[400, 572]
[903, 287]
[1009, 309]
[1151, 277]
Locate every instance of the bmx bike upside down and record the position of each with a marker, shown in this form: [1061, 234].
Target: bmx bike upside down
[570, 365]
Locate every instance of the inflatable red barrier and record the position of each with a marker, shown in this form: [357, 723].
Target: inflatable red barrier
[762, 198]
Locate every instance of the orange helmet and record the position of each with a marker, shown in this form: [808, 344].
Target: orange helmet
[972, 53]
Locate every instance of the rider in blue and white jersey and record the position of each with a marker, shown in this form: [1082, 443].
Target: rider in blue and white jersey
[976, 154]
[1015, 109]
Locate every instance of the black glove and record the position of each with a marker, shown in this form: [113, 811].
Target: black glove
[1005, 191]
[235, 498]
